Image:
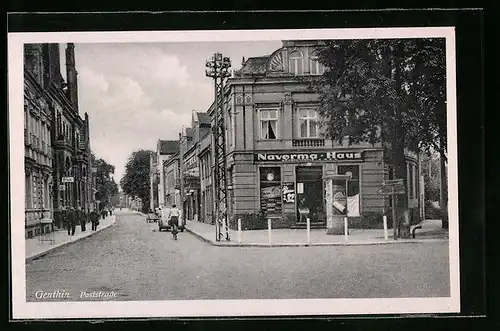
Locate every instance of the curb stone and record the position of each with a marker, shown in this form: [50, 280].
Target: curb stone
[41, 254]
[263, 245]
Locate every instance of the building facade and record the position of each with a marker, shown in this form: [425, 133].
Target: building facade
[165, 149]
[277, 157]
[190, 143]
[74, 185]
[56, 136]
[171, 169]
[37, 142]
[154, 180]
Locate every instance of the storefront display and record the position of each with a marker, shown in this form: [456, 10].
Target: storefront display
[270, 191]
[288, 191]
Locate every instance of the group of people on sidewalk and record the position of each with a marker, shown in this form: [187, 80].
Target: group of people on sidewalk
[71, 217]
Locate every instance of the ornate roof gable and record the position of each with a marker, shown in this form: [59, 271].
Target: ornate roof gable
[275, 63]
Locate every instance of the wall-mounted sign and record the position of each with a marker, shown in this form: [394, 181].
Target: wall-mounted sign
[288, 191]
[62, 187]
[68, 179]
[308, 157]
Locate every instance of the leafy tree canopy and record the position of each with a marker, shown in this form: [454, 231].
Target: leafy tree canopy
[389, 91]
[136, 181]
[105, 184]
[372, 87]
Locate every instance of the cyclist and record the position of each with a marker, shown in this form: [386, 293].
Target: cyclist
[173, 218]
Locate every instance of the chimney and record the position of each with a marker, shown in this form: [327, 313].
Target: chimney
[71, 76]
[243, 61]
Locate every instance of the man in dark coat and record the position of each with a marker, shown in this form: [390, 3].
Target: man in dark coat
[66, 219]
[81, 218]
[71, 221]
[94, 218]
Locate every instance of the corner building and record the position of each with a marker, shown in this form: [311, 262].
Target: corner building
[277, 157]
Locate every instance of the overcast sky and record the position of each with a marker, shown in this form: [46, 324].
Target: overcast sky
[136, 94]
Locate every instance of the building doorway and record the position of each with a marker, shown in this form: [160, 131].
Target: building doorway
[309, 184]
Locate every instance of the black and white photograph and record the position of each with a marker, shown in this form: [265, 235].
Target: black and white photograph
[234, 173]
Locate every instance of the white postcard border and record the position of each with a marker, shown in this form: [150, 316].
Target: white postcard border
[22, 309]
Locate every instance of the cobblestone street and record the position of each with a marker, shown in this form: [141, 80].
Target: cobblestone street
[135, 261]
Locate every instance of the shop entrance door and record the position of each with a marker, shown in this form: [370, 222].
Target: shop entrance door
[310, 193]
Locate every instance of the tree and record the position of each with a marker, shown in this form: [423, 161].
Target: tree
[105, 183]
[136, 182]
[385, 91]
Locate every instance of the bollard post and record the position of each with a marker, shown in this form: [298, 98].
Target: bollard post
[385, 227]
[269, 231]
[239, 230]
[345, 229]
[308, 231]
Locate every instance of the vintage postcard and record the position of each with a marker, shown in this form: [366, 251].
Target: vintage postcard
[233, 173]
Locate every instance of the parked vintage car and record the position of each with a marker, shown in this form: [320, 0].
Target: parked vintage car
[163, 221]
[152, 217]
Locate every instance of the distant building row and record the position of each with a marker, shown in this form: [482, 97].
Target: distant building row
[58, 170]
[277, 159]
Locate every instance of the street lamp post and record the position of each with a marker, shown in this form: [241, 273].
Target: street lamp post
[218, 69]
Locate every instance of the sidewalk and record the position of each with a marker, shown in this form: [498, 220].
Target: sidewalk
[35, 249]
[431, 231]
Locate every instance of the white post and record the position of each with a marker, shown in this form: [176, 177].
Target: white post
[385, 227]
[345, 229]
[239, 230]
[269, 230]
[308, 231]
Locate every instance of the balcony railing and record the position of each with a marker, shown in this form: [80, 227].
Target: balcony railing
[308, 143]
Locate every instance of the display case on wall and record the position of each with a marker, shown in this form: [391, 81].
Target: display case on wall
[270, 191]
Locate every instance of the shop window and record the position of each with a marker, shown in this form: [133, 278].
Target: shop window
[268, 123]
[270, 191]
[308, 122]
[315, 67]
[296, 63]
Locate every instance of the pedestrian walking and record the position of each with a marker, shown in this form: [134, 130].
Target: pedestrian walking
[71, 221]
[65, 219]
[110, 211]
[95, 220]
[103, 213]
[81, 218]
[173, 219]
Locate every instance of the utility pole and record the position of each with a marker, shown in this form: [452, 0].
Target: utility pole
[218, 69]
[181, 174]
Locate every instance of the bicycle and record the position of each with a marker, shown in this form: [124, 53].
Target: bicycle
[175, 226]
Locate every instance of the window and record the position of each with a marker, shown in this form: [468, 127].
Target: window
[315, 68]
[296, 63]
[27, 190]
[308, 123]
[26, 118]
[34, 189]
[268, 123]
[412, 181]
